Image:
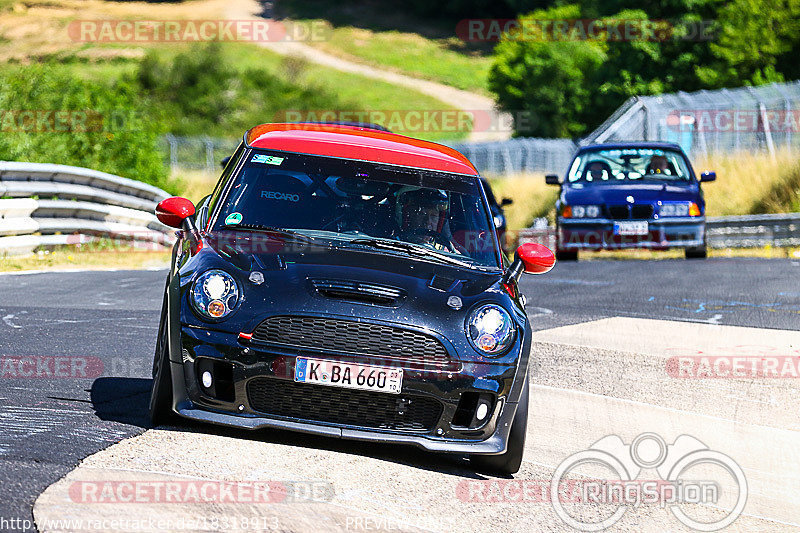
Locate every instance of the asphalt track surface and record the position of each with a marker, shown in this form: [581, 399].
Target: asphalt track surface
[106, 323]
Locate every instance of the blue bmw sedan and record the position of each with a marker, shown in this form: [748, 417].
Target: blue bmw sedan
[630, 195]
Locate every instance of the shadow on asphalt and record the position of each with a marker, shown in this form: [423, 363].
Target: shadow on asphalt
[126, 400]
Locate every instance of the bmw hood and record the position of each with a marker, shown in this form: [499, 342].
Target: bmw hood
[618, 193]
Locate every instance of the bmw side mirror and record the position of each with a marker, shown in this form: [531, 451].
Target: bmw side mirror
[224, 162]
[551, 179]
[708, 175]
[532, 258]
[176, 211]
[506, 201]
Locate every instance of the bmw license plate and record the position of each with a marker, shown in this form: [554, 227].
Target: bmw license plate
[348, 375]
[634, 227]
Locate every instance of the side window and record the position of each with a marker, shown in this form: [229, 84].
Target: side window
[225, 178]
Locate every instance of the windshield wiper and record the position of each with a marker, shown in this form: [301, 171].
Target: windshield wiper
[410, 249]
[273, 229]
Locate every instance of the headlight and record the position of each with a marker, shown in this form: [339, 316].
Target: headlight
[585, 211]
[674, 209]
[490, 329]
[215, 294]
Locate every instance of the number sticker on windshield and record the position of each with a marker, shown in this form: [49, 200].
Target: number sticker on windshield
[268, 159]
[233, 219]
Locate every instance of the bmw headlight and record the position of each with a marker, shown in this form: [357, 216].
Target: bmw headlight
[215, 294]
[585, 211]
[674, 209]
[490, 329]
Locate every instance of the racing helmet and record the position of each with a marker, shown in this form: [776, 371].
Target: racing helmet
[412, 200]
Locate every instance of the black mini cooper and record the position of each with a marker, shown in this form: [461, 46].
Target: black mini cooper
[347, 282]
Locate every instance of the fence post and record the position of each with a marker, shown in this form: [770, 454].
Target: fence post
[209, 155]
[173, 151]
[762, 112]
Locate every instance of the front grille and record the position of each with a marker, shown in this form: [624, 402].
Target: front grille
[320, 403]
[624, 212]
[642, 211]
[351, 337]
[619, 212]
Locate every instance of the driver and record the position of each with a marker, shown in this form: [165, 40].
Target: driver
[597, 170]
[658, 165]
[423, 218]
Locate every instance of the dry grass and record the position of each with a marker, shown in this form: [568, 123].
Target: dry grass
[123, 258]
[751, 183]
[37, 28]
[532, 198]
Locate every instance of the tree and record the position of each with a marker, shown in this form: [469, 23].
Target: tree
[549, 82]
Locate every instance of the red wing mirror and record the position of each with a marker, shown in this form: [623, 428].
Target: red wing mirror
[173, 211]
[536, 258]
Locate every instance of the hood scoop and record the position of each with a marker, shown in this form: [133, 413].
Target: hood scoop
[358, 291]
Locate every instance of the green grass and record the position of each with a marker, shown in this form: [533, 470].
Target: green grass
[442, 60]
[384, 34]
[363, 93]
[353, 91]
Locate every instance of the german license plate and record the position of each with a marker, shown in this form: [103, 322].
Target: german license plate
[632, 227]
[348, 375]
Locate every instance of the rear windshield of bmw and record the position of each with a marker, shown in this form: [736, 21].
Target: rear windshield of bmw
[347, 199]
[629, 164]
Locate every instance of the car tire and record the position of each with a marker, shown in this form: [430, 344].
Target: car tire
[509, 462]
[697, 253]
[160, 409]
[566, 256]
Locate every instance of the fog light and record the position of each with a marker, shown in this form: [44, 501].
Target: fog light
[207, 379]
[482, 411]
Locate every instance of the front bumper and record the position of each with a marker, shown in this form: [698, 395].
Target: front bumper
[445, 385]
[598, 234]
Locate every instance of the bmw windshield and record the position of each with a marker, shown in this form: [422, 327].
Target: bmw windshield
[629, 164]
[363, 203]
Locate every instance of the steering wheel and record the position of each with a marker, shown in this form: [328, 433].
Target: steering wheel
[437, 238]
[347, 219]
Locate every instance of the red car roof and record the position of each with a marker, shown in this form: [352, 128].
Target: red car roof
[352, 142]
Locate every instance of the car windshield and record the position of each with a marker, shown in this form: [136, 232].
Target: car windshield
[363, 203]
[629, 164]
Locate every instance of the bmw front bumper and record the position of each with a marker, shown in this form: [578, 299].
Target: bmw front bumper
[599, 234]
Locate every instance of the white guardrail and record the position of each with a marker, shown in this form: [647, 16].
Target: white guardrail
[46, 205]
[744, 231]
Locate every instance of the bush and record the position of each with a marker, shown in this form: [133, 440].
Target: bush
[51, 116]
[201, 93]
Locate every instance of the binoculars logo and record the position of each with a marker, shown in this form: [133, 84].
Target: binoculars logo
[673, 488]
